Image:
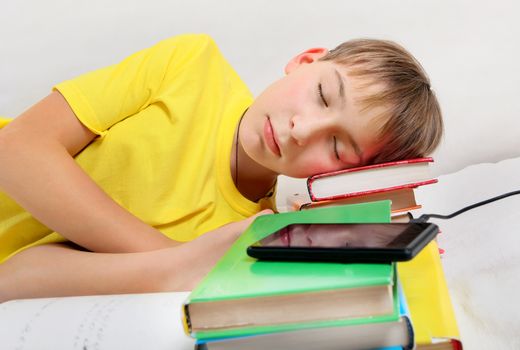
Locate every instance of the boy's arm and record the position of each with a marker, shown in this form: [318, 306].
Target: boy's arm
[38, 171]
[56, 270]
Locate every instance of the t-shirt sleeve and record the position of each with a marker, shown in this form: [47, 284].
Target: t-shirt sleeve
[106, 96]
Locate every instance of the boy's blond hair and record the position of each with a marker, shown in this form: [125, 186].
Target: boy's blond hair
[412, 125]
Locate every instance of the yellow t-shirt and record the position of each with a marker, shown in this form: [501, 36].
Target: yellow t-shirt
[3, 122]
[166, 117]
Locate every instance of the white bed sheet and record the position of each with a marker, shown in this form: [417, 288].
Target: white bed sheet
[482, 251]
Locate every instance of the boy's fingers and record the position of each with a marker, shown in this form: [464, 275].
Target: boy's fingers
[243, 224]
[238, 227]
[263, 212]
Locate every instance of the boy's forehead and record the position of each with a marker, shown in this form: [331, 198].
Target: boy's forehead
[361, 82]
[361, 88]
[363, 92]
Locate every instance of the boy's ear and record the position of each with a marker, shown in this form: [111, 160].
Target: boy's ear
[307, 56]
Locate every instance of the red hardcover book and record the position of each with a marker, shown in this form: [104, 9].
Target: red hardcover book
[370, 179]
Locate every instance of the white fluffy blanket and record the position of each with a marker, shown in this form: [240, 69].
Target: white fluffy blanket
[482, 251]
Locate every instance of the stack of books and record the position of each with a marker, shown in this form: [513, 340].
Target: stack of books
[394, 181]
[244, 303]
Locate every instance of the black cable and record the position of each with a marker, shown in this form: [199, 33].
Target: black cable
[426, 217]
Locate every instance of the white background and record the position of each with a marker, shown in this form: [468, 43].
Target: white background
[469, 48]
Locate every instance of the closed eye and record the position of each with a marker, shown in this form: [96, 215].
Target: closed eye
[336, 153]
[320, 90]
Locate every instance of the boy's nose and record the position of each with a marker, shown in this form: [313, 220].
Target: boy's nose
[304, 129]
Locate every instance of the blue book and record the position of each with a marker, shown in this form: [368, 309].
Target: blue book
[405, 315]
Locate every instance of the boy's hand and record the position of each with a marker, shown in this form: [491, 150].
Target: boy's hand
[191, 261]
[235, 229]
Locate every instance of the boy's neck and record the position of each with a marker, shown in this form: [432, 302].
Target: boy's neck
[251, 179]
[253, 189]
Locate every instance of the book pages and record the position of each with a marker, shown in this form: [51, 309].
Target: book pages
[131, 321]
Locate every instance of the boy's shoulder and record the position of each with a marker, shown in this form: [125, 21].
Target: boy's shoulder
[191, 40]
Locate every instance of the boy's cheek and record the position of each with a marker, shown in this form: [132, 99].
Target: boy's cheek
[308, 167]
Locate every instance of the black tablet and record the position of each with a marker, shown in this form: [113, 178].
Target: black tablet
[376, 243]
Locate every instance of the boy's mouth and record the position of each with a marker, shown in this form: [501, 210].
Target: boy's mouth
[270, 137]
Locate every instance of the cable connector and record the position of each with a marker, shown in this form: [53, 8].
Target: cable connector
[421, 219]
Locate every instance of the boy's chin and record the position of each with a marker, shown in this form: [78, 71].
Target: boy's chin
[296, 175]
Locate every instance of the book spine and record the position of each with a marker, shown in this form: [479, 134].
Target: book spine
[186, 323]
[373, 166]
[429, 300]
[405, 315]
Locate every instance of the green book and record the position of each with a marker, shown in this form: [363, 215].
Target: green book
[243, 296]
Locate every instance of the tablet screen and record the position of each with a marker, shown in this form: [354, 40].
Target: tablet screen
[398, 235]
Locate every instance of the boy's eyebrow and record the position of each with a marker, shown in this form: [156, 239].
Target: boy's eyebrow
[341, 92]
